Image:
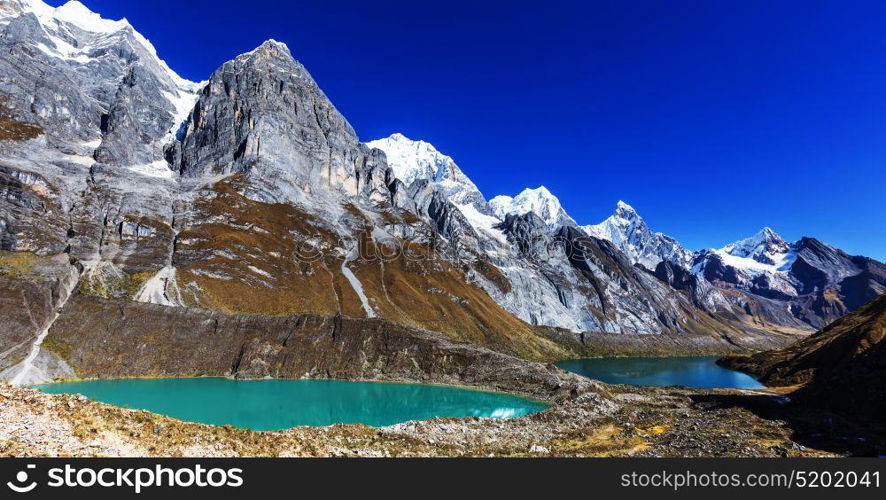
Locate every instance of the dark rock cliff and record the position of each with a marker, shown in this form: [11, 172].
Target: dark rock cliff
[100, 338]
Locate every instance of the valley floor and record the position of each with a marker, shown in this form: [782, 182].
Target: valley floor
[650, 422]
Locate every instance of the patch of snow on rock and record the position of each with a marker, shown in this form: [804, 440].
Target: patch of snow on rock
[159, 169]
[162, 289]
[482, 222]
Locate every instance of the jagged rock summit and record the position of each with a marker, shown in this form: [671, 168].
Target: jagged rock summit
[629, 232]
[262, 115]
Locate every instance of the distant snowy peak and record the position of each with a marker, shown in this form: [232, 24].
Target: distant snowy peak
[629, 232]
[412, 160]
[766, 247]
[419, 160]
[764, 252]
[619, 226]
[539, 201]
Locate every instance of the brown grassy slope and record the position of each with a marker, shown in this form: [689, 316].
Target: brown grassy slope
[434, 295]
[217, 261]
[12, 129]
[242, 259]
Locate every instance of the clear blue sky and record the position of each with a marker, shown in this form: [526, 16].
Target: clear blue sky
[712, 118]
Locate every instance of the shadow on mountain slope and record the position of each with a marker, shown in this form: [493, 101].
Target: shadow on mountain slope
[811, 427]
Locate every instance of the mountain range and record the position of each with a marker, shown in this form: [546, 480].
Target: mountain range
[249, 194]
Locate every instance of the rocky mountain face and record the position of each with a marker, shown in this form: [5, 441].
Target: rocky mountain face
[702, 293]
[250, 195]
[256, 199]
[843, 366]
[102, 105]
[548, 272]
[204, 343]
[263, 115]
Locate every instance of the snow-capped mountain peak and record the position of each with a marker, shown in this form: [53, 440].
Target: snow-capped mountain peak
[74, 32]
[766, 247]
[539, 201]
[626, 215]
[619, 226]
[624, 207]
[627, 230]
[414, 160]
[764, 255]
[76, 14]
[92, 51]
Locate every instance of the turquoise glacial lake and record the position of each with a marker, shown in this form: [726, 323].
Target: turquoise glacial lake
[281, 404]
[700, 372]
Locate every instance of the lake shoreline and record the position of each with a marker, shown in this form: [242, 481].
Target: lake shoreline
[641, 422]
[695, 372]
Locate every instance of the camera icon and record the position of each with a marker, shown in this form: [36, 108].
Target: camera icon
[21, 478]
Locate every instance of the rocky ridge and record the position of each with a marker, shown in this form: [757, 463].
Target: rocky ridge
[815, 282]
[841, 367]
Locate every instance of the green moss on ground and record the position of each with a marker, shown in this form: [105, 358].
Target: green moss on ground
[17, 265]
[115, 285]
